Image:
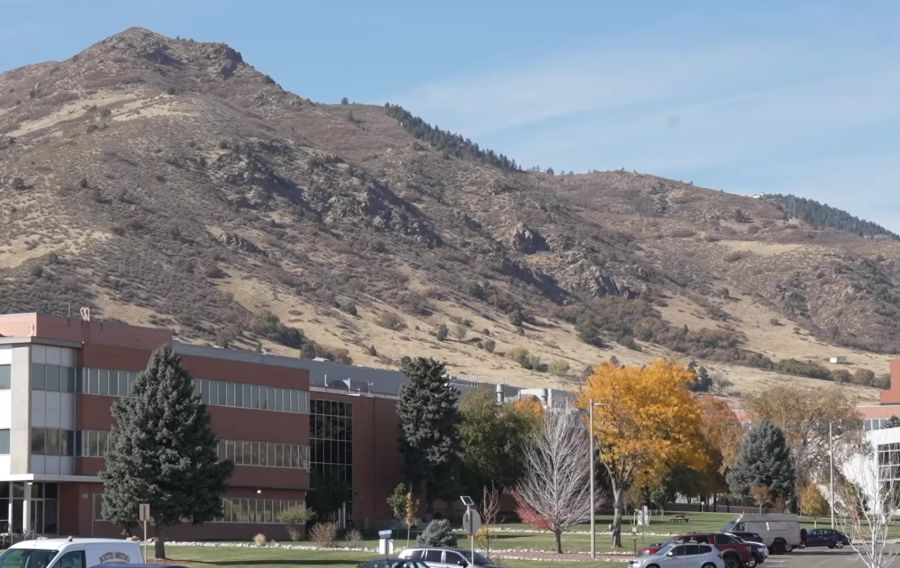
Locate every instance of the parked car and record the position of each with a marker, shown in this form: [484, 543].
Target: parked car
[71, 553]
[758, 547]
[681, 556]
[391, 563]
[735, 552]
[780, 532]
[826, 537]
[445, 557]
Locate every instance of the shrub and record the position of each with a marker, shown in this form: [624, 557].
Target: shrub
[489, 345]
[323, 534]
[735, 256]
[460, 331]
[372, 351]
[260, 539]
[37, 270]
[390, 320]
[441, 332]
[802, 368]
[354, 538]
[269, 325]
[559, 368]
[437, 533]
[296, 518]
[516, 317]
[214, 272]
[527, 361]
[864, 377]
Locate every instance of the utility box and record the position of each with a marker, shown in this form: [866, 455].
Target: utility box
[385, 543]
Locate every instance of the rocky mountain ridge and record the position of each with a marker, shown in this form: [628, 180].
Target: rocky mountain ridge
[168, 182]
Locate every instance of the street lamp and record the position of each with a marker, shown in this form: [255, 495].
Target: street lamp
[591, 457]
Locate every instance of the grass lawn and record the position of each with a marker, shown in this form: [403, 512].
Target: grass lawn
[210, 557]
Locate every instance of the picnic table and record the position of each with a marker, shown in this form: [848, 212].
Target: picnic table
[679, 519]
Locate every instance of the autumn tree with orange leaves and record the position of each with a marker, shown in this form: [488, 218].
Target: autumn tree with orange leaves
[648, 423]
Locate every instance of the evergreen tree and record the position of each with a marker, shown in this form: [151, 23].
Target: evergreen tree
[429, 423]
[438, 533]
[162, 451]
[308, 351]
[765, 461]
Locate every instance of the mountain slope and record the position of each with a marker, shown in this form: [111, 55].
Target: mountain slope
[168, 182]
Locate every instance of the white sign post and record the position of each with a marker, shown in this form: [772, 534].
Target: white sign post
[144, 516]
[471, 524]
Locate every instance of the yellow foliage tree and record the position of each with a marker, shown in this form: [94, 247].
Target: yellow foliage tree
[722, 434]
[649, 422]
[813, 503]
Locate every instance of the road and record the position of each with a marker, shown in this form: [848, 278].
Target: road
[816, 558]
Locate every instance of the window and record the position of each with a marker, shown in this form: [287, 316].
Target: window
[454, 558]
[433, 556]
[74, 559]
[4, 441]
[5, 376]
[704, 549]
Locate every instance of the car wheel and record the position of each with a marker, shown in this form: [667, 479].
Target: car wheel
[732, 562]
[788, 547]
[653, 566]
[778, 547]
[708, 565]
[839, 544]
[750, 563]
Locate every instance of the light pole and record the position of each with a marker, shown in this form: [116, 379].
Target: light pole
[591, 461]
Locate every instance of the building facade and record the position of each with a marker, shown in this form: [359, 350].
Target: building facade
[297, 430]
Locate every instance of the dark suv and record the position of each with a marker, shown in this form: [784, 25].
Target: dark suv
[735, 552]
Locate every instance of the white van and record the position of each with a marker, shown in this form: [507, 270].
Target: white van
[780, 532]
[71, 553]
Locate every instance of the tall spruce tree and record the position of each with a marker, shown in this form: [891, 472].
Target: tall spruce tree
[765, 461]
[429, 423]
[162, 451]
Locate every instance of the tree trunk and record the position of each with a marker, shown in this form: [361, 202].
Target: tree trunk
[558, 534]
[159, 546]
[618, 494]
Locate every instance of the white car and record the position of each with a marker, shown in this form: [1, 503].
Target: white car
[683, 555]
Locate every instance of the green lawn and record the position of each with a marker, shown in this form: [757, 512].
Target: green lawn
[210, 557]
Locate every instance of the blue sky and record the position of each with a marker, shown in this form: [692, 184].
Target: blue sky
[765, 96]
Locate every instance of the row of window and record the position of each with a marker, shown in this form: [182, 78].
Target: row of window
[260, 397]
[264, 454]
[235, 510]
[110, 382]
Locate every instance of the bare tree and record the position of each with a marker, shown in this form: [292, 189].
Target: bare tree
[869, 504]
[490, 508]
[554, 492]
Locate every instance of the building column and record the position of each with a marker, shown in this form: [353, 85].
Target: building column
[26, 509]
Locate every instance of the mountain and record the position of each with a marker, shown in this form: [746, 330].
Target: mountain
[167, 182]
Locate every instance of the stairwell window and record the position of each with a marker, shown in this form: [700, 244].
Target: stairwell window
[4, 441]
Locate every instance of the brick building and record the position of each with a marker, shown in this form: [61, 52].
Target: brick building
[291, 426]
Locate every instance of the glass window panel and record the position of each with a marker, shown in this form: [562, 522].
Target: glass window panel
[114, 383]
[254, 396]
[229, 394]
[51, 442]
[270, 450]
[239, 395]
[4, 443]
[246, 453]
[204, 389]
[123, 383]
[51, 378]
[37, 441]
[68, 380]
[37, 376]
[104, 381]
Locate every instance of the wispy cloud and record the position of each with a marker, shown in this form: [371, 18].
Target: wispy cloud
[785, 114]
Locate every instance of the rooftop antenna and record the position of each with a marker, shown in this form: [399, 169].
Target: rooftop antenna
[85, 313]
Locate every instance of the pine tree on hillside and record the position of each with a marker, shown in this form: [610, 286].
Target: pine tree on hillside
[765, 462]
[162, 451]
[429, 423]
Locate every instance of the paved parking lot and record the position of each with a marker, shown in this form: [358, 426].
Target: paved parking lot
[815, 558]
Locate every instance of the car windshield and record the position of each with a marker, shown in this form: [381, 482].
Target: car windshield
[26, 558]
[479, 559]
